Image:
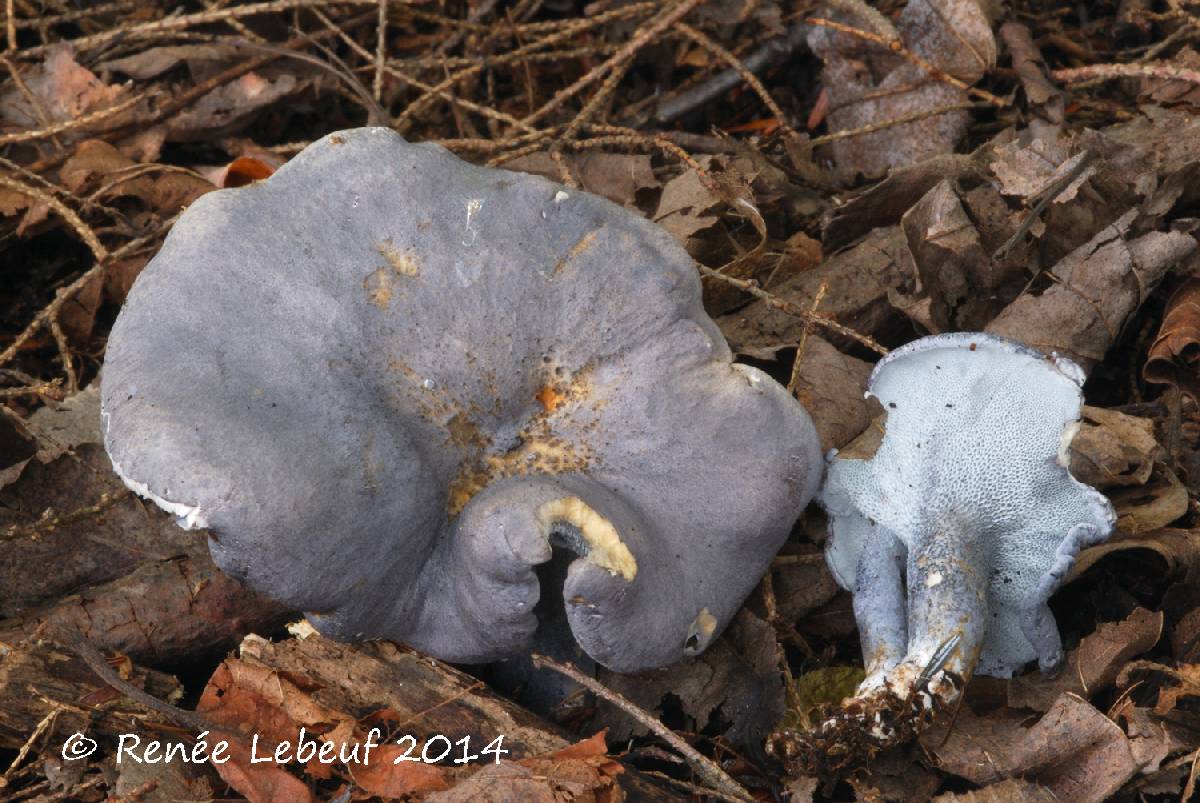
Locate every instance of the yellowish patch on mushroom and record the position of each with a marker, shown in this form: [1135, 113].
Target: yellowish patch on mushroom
[550, 398]
[540, 450]
[378, 285]
[585, 242]
[606, 549]
[536, 455]
[404, 263]
[704, 624]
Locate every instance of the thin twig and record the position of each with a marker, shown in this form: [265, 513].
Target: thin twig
[895, 121]
[380, 50]
[750, 286]
[1049, 194]
[800, 349]
[180, 22]
[65, 212]
[1110, 71]
[96, 662]
[642, 38]
[743, 71]
[46, 722]
[50, 520]
[769, 53]
[707, 769]
[82, 121]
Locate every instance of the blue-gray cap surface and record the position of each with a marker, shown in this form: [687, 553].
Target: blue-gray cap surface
[386, 380]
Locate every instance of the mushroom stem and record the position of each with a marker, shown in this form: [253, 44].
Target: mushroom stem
[879, 608]
[948, 598]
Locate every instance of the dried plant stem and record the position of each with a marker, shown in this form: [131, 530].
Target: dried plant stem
[563, 33]
[1110, 71]
[391, 70]
[803, 345]
[83, 121]
[743, 72]
[50, 519]
[642, 38]
[95, 661]
[750, 286]
[84, 231]
[46, 722]
[380, 50]
[183, 21]
[897, 47]
[64, 351]
[705, 768]
[883, 125]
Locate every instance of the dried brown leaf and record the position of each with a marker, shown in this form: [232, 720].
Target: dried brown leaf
[1174, 358]
[1094, 665]
[615, 176]
[739, 674]
[1096, 288]
[64, 91]
[1073, 750]
[858, 284]
[1112, 449]
[953, 35]
[1013, 790]
[830, 385]
[231, 106]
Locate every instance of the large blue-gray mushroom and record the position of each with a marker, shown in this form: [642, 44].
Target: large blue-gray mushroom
[953, 535]
[387, 382]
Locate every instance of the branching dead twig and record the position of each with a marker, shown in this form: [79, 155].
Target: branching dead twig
[750, 286]
[707, 769]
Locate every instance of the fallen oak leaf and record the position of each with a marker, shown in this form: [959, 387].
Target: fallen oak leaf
[579, 772]
[1094, 665]
[390, 773]
[1174, 357]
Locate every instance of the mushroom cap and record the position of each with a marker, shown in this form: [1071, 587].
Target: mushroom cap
[974, 456]
[387, 381]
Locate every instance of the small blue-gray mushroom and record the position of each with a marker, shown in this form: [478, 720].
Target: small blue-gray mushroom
[389, 383]
[954, 534]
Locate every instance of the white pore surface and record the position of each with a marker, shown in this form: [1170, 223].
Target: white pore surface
[975, 426]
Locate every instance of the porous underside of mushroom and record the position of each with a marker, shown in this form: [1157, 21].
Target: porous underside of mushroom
[955, 533]
[393, 381]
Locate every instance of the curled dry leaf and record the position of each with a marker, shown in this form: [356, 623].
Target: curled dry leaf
[246, 697]
[1093, 666]
[953, 35]
[231, 106]
[1112, 449]
[1177, 683]
[739, 676]
[155, 61]
[1150, 507]
[1174, 358]
[64, 91]
[830, 385]
[616, 176]
[580, 772]
[965, 286]
[859, 283]
[1043, 96]
[1094, 291]
[1073, 750]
